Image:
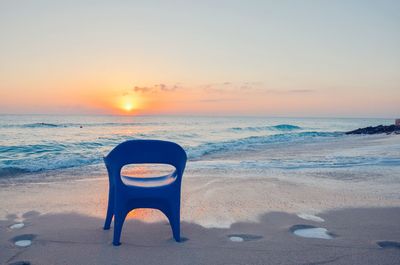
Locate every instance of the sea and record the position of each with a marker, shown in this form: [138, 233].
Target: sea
[32, 145]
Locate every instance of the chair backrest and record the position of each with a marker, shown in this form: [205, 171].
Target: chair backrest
[145, 151]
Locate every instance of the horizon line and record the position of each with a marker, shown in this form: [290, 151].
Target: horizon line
[200, 115]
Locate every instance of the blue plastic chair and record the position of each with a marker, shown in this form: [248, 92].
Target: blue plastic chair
[129, 193]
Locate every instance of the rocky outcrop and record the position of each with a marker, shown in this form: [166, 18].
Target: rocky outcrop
[377, 129]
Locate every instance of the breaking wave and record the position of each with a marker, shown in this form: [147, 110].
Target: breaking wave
[53, 155]
[280, 127]
[243, 143]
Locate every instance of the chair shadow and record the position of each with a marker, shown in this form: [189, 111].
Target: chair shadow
[65, 238]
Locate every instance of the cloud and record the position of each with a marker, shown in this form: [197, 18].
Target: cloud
[288, 91]
[142, 89]
[209, 100]
[216, 100]
[167, 88]
[221, 88]
[301, 91]
[230, 87]
[156, 88]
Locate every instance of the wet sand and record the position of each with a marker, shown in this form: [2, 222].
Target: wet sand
[241, 220]
[207, 201]
[71, 238]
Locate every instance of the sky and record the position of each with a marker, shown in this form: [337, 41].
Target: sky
[268, 58]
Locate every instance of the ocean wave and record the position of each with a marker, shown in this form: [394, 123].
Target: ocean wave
[13, 150]
[40, 157]
[329, 162]
[54, 155]
[40, 125]
[36, 125]
[79, 125]
[116, 124]
[286, 127]
[47, 162]
[12, 171]
[242, 143]
[279, 127]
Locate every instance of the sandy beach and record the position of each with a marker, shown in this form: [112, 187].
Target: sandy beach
[64, 219]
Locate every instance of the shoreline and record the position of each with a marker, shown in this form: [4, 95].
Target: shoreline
[254, 195]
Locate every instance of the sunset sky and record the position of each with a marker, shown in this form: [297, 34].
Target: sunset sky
[272, 58]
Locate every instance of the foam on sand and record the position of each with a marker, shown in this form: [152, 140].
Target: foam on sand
[243, 237]
[236, 239]
[310, 217]
[17, 226]
[309, 231]
[23, 243]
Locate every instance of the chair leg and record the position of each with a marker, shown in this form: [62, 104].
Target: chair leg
[175, 222]
[110, 211]
[108, 220]
[119, 219]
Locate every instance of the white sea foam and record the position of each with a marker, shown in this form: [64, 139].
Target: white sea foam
[310, 217]
[23, 243]
[236, 239]
[17, 226]
[317, 232]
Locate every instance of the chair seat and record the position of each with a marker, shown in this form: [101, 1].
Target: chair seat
[149, 181]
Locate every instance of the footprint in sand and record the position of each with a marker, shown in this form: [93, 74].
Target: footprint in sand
[11, 217]
[183, 239]
[243, 237]
[23, 240]
[388, 244]
[309, 231]
[31, 214]
[20, 263]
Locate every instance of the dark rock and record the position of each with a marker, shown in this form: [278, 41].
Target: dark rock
[377, 129]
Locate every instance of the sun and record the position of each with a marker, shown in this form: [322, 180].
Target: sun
[128, 106]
